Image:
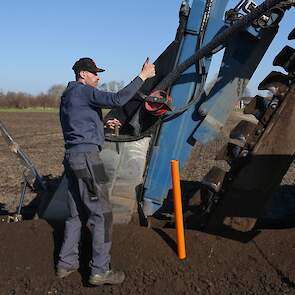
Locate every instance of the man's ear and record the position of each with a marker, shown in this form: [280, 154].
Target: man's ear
[82, 74]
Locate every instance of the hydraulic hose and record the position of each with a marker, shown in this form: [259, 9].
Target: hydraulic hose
[200, 66]
[217, 41]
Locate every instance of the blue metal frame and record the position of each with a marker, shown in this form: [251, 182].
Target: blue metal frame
[173, 140]
[242, 55]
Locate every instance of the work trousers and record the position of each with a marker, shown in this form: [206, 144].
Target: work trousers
[88, 201]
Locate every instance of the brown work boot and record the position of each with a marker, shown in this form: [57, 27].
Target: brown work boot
[109, 277]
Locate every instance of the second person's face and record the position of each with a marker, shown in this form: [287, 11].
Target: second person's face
[90, 79]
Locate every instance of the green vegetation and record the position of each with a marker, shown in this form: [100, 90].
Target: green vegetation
[38, 110]
[29, 110]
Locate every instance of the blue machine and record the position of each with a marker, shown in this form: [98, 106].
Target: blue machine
[173, 140]
[138, 159]
[203, 121]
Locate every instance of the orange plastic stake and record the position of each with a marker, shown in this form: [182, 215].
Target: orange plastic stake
[178, 209]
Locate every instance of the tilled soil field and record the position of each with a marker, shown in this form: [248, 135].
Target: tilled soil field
[261, 262]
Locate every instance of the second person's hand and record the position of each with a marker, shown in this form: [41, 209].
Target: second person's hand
[148, 70]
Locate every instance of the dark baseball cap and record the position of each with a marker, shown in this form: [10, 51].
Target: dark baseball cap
[86, 64]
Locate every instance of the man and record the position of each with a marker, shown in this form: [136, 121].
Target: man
[83, 131]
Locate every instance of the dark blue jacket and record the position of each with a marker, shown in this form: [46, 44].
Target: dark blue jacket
[80, 111]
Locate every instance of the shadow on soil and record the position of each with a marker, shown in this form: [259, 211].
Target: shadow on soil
[284, 279]
[279, 213]
[169, 241]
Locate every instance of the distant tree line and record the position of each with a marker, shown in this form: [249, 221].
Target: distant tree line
[50, 99]
[21, 100]
[112, 86]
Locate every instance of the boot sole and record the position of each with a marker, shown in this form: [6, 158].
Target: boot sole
[62, 276]
[105, 282]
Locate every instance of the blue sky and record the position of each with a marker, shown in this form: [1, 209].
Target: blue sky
[40, 40]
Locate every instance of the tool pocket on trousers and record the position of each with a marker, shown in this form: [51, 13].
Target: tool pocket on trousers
[80, 168]
[97, 166]
[98, 173]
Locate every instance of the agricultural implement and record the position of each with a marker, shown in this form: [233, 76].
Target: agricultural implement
[172, 112]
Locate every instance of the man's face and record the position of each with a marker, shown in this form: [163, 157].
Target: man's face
[89, 78]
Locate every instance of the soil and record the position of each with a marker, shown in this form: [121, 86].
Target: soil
[260, 262]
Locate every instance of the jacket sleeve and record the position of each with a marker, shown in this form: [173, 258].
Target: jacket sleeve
[110, 99]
